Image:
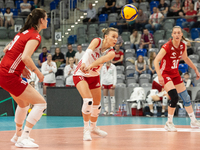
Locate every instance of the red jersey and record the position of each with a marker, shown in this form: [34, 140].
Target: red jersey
[12, 61]
[170, 62]
[191, 13]
[118, 55]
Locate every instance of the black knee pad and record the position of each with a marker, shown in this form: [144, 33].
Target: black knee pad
[174, 98]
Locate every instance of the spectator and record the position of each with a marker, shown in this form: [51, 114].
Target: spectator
[140, 65]
[155, 20]
[121, 25]
[151, 63]
[9, 18]
[120, 41]
[190, 16]
[70, 53]
[79, 54]
[34, 79]
[197, 5]
[190, 50]
[25, 8]
[35, 5]
[68, 72]
[175, 10]
[48, 70]
[42, 56]
[109, 7]
[186, 6]
[147, 40]
[163, 8]
[91, 13]
[119, 56]
[141, 20]
[135, 1]
[58, 58]
[197, 24]
[119, 4]
[187, 81]
[108, 82]
[1, 18]
[135, 38]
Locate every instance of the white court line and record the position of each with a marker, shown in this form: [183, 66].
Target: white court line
[163, 130]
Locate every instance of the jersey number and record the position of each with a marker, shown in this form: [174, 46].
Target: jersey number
[175, 64]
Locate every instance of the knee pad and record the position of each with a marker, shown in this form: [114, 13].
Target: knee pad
[36, 113]
[149, 100]
[164, 100]
[96, 110]
[20, 114]
[186, 98]
[112, 99]
[87, 105]
[174, 98]
[105, 99]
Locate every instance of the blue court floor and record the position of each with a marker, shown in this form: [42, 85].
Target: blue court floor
[49, 122]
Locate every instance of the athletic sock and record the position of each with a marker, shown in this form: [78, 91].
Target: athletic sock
[26, 132]
[163, 110]
[93, 124]
[192, 117]
[86, 124]
[170, 118]
[151, 111]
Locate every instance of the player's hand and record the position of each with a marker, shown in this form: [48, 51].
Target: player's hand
[26, 74]
[83, 68]
[161, 80]
[40, 76]
[113, 87]
[197, 75]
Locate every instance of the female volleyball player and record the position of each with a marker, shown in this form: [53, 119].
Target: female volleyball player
[17, 56]
[87, 81]
[168, 75]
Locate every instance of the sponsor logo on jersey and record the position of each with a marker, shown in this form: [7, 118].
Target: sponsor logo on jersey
[168, 78]
[23, 82]
[172, 48]
[173, 55]
[97, 84]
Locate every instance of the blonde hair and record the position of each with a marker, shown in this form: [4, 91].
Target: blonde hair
[107, 30]
[142, 59]
[151, 58]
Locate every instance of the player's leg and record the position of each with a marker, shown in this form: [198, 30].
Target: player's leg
[105, 100]
[30, 95]
[44, 89]
[96, 94]
[187, 103]
[112, 99]
[165, 99]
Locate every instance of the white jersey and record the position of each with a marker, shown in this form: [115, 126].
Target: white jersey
[49, 77]
[108, 75]
[69, 77]
[91, 58]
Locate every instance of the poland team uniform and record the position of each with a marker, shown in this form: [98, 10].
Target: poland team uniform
[170, 62]
[92, 78]
[12, 66]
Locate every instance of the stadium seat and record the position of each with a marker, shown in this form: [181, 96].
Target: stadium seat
[92, 30]
[119, 70]
[128, 62]
[167, 25]
[11, 33]
[63, 49]
[143, 6]
[144, 78]
[93, 25]
[15, 12]
[194, 58]
[168, 34]
[91, 37]
[113, 24]
[194, 33]
[128, 53]
[52, 5]
[130, 80]
[183, 68]
[47, 33]
[84, 46]
[19, 21]
[60, 81]
[153, 4]
[120, 78]
[1, 4]
[135, 4]
[142, 52]
[161, 43]
[102, 18]
[159, 34]
[130, 70]
[133, 85]
[127, 45]
[146, 85]
[9, 4]
[180, 21]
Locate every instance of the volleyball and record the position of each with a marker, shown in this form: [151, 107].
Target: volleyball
[129, 12]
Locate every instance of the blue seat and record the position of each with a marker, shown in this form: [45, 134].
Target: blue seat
[194, 33]
[49, 21]
[73, 2]
[150, 31]
[153, 4]
[113, 24]
[31, 2]
[3, 10]
[102, 18]
[183, 68]
[17, 4]
[180, 21]
[52, 5]
[142, 52]
[72, 39]
[14, 11]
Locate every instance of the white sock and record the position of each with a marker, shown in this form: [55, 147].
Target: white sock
[151, 110]
[106, 103]
[93, 125]
[86, 124]
[26, 132]
[192, 117]
[163, 110]
[112, 99]
[170, 118]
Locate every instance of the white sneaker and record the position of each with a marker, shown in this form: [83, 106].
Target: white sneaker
[86, 134]
[99, 132]
[15, 138]
[195, 124]
[169, 126]
[105, 113]
[25, 142]
[111, 113]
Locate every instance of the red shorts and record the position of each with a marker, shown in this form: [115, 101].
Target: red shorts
[175, 79]
[93, 82]
[70, 86]
[13, 84]
[157, 86]
[107, 86]
[50, 84]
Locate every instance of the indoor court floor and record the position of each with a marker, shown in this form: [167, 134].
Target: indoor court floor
[124, 133]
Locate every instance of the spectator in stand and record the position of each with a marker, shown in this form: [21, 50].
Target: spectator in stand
[190, 16]
[25, 8]
[1, 18]
[35, 5]
[197, 5]
[119, 56]
[91, 14]
[42, 56]
[147, 40]
[59, 58]
[140, 65]
[175, 10]
[121, 25]
[135, 38]
[119, 4]
[109, 7]
[35, 79]
[155, 20]
[186, 6]
[70, 53]
[151, 63]
[136, 1]
[68, 72]
[120, 41]
[141, 20]
[79, 54]
[190, 50]
[197, 24]
[187, 81]
[49, 70]
[9, 18]
[163, 8]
